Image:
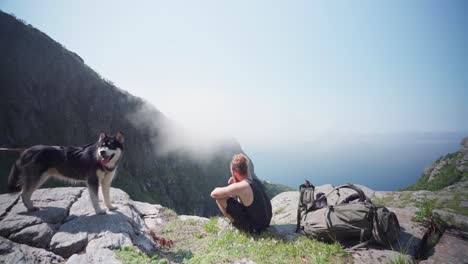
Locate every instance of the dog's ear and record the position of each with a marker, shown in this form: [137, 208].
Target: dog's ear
[119, 137]
[102, 136]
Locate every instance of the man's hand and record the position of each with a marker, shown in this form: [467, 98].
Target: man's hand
[232, 180]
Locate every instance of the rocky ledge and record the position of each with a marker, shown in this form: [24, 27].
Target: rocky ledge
[65, 229]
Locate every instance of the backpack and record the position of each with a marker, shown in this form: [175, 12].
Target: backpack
[354, 218]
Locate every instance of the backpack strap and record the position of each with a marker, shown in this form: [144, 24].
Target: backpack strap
[359, 191]
[300, 205]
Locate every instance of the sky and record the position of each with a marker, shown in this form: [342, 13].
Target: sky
[297, 83]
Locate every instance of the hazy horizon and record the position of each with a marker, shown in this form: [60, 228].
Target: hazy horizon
[334, 92]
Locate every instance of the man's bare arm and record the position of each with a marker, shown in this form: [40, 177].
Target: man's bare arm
[228, 191]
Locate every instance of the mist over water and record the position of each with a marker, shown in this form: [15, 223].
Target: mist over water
[385, 162]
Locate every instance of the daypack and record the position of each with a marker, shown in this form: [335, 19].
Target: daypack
[354, 218]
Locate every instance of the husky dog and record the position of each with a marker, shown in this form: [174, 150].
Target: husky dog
[94, 164]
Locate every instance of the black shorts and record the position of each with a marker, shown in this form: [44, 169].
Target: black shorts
[237, 211]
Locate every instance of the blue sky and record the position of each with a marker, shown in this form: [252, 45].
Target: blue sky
[279, 74]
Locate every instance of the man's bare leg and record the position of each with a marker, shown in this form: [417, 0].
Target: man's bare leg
[222, 204]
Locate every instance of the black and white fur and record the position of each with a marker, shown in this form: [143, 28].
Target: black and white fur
[94, 164]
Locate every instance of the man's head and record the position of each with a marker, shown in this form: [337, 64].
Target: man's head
[240, 167]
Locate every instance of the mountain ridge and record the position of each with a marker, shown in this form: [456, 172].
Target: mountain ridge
[51, 97]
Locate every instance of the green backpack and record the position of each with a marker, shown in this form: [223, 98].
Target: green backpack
[354, 218]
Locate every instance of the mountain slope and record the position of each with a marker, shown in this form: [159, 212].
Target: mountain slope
[445, 171]
[50, 96]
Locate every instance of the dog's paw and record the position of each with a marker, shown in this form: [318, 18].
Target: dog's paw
[33, 209]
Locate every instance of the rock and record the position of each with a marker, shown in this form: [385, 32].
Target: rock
[147, 209]
[101, 255]
[378, 256]
[284, 207]
[455, 220]
[452, 248]
[284, 231]
[412, 233]
[11, 252]
[83, 226]
[464, 204]
[110, 241]
[7, 201]
[54, 206]
[193, 218]
[36, 235]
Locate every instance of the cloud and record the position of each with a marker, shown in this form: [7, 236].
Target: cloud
[168, 137]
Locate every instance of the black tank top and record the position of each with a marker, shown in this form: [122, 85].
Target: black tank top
[260, 209]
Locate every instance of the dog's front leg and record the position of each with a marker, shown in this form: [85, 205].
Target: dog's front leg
[105, 185]
[93, 187]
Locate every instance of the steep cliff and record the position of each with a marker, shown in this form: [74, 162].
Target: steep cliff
[445, 171]
[50, 96]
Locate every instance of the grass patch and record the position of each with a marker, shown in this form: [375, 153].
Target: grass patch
[386, 200]
[400, 259]
[267, 249]
[425, 206]
[211, 227]
[132, 255]
[454, 204]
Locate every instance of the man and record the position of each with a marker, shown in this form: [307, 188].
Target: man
[244, 200]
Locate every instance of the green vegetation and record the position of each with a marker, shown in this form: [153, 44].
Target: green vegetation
[454, 204]
[400, 259]
[268, 249]
[204, 242]
[386, 200]
[446, 176]
[425, 206]
[132, 255]
[211, 227]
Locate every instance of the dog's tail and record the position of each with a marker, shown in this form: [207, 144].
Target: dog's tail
[14, 179]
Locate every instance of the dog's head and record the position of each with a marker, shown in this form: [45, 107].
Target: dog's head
[110, 149]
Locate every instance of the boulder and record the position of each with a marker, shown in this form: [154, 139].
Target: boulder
[454, 220]
[83, 226]
[54, 206]
[11, 252]
[451, 248]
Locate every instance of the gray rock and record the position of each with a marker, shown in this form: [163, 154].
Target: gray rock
[67, 245]
[378, 256]
[284, 231]
[455, 220]
[101, 256]
[452, 248]
[53, 203]
[36, 235]
[110, 230]
[110, 241]
[147, 209]
[11, 252]
[412, 232]
[6, 202]
[464, 204]
[193, 218]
